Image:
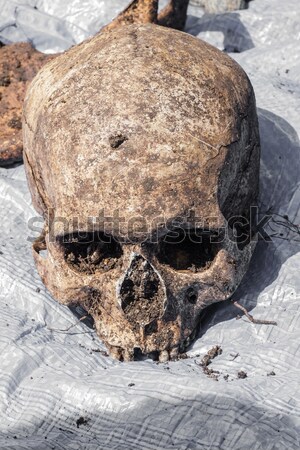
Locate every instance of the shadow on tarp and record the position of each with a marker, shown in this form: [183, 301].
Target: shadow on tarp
[236, 36]
[279, 177]
[162, 420]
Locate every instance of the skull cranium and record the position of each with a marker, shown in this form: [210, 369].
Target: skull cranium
[158, 132]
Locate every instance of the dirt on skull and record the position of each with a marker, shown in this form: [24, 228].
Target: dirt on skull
[142, 293]
[135, 118]
[19, 63]
[90, 252]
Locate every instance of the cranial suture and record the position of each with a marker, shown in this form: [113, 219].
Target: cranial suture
[152, 123]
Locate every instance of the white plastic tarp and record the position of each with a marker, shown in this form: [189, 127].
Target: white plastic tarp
[56, 391]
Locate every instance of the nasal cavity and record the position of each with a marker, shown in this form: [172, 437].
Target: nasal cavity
[142, 293]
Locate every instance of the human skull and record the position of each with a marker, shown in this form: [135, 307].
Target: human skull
[140, 145]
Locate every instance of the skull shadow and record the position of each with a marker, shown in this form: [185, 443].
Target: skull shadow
[236, 37]
[279, 176]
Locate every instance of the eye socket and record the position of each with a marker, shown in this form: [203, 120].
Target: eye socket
[188, 250]
[88, 252]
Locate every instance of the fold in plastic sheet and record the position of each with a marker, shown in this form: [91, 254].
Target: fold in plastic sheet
[56, 391]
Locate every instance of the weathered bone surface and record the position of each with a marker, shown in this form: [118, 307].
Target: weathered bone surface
[158, 130]
[20, 62]
[18, 65]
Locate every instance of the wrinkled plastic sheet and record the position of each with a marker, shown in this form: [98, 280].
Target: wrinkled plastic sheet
[56, 390]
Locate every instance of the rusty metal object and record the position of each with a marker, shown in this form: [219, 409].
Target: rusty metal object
[146, 11]
[174, 14]
[18, 65]
[140, 146]
[138, 11]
